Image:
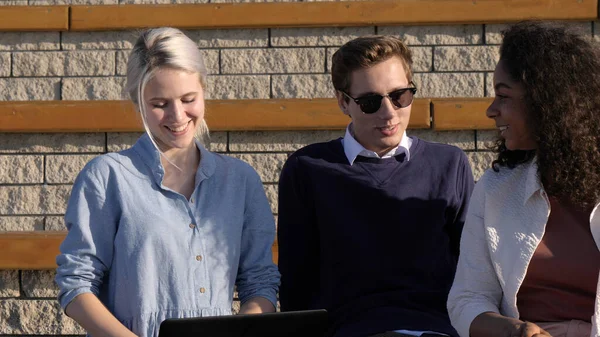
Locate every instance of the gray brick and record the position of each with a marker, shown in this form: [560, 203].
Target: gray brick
[331, 36]
[489, 85]
[435, 35]
[35, 317]
[90, 63]
[302, 86]
[75, 63]
[464, 140]
[597, 31]
[271, 192]
[33, 199]
[13, 3]
[467, 58]
[450, 84]
[9, 283]
[493, 33]
[121, 59]
[237, 87]
[229, 38]
[486, 139]
[99, 40]
[118, 141]
[278, 141]
[14, 41]
[73, 2]
[29, 89]
[51, 142]
[268, 165]
[211, 60]
[39, 283]
[94, 88]
[292, 60]
[21, 223]
[55, 223]
[5, 64]
[162, 2]
[21, 169]
[480, 162]
[63, 169]
[218, 141]
[39, 63]
[422, 59]
[330, 52]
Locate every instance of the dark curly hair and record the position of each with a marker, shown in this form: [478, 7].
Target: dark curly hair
[560, 72]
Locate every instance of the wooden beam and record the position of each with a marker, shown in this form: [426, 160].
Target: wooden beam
[34, 18]
[319, 14]
[221, 115]
[37, 250]
[29, 250]
[461, 114]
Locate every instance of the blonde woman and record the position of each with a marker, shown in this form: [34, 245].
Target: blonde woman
[166, 228]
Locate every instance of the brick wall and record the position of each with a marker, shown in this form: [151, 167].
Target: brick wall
[37, 170]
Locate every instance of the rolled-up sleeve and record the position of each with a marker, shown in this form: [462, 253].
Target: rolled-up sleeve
[87, 251]
[476, 288]
[257, 274]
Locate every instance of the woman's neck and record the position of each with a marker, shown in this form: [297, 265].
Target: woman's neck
[180, 161]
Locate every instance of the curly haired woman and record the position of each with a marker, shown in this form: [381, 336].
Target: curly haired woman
[530, 255]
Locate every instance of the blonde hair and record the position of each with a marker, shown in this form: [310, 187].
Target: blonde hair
[163, 48]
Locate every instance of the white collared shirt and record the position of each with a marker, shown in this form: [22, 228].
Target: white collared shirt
[353, 149]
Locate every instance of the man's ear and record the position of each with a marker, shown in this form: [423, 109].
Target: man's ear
[342, 102]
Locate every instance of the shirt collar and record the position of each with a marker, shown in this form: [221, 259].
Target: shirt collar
[151, 157]
[353, 149]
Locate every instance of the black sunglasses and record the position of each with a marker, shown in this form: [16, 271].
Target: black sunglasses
[371, 103]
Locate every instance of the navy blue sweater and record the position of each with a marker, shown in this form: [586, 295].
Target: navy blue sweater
[375, 243]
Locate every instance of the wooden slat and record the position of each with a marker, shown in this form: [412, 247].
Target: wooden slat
[34, 18]
[319, 14]
[38, 250]
[461, 114]
[29, 250]
[221, 115]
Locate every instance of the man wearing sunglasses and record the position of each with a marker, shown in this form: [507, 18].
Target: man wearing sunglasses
[370, 224]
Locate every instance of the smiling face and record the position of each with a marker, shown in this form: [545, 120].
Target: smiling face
[380, 131]
[509, 111]
[174, 103]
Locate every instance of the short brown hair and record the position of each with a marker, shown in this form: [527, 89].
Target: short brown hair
[365, 52]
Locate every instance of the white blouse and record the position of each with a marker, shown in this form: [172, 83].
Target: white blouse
[505, 223]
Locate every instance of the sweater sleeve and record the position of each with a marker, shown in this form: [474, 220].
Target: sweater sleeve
[476, 288]
[87, 251]
[257, 274]
[298, 240]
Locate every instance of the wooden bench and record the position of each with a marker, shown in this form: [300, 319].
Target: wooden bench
[291, 14]
[234, 115]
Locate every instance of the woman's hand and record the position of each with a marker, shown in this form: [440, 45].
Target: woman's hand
[528, 329]
[491, 324]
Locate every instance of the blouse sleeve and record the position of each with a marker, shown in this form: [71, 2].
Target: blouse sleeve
[257, 274]
[87, 251]
[476, 288]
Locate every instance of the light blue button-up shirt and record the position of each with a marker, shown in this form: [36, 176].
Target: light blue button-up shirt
[150, 254]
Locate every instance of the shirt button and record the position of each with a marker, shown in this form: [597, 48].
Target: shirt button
[198, 257]
[202, 290]
[192, 200]
[192, 226]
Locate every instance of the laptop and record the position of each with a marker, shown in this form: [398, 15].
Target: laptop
[308, 323]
